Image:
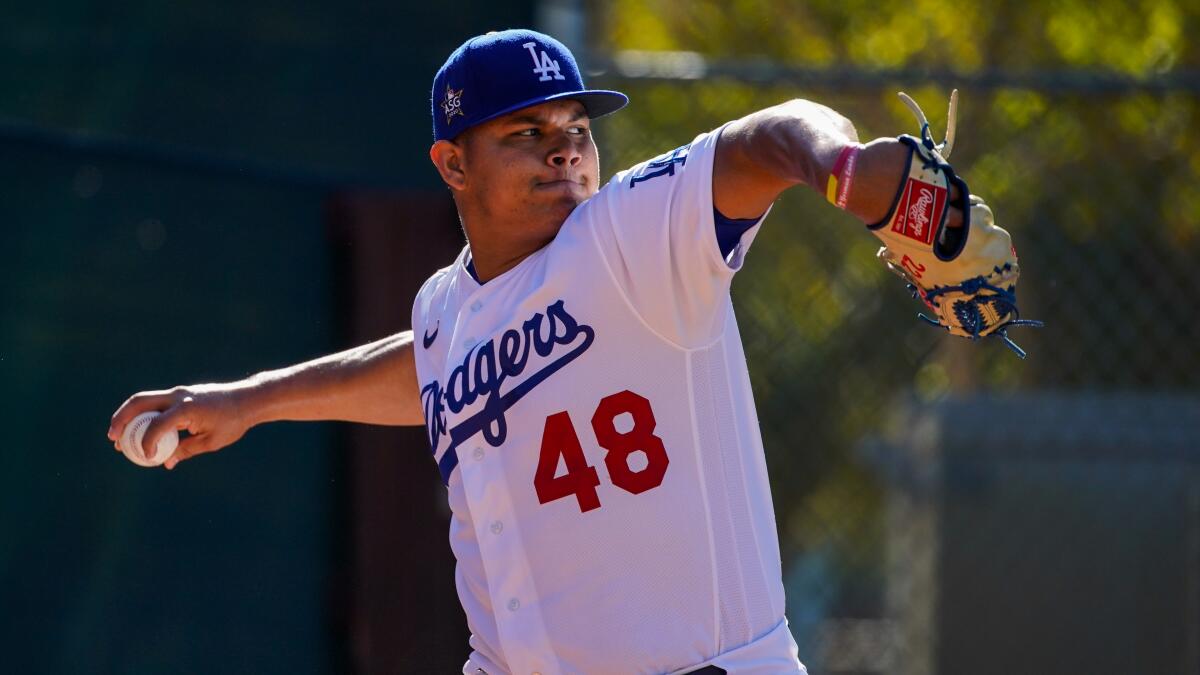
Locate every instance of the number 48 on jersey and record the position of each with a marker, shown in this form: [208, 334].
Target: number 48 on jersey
[559, 440]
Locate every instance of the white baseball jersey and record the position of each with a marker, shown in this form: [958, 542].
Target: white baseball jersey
[592, 418]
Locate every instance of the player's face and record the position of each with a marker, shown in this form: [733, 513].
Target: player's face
[532, 167]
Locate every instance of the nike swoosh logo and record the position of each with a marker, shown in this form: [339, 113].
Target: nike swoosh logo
[428, 339]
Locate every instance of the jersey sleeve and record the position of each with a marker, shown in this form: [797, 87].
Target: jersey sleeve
[656, 229]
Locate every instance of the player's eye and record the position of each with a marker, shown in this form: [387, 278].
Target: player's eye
[528, 133]
[581, 131]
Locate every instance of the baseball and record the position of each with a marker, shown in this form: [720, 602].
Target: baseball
[135, 431]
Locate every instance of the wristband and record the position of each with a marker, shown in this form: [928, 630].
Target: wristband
[837, 191]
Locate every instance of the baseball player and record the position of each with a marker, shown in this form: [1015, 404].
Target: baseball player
[579, 371]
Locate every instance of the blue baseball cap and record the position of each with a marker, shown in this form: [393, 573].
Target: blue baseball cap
[494, 74]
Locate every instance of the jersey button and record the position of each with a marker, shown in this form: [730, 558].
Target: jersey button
[477, 453]
[514, 605]
[497, 527]
[476, 306]
[469, 343]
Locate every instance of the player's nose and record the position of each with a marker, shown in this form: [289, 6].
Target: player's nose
[565, 153]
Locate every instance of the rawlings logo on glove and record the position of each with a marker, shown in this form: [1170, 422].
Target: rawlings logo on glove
[967, 276]
[914, 218]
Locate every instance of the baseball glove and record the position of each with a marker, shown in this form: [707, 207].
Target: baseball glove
[967, 276]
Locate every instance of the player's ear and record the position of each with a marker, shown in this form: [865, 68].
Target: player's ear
[447, 156]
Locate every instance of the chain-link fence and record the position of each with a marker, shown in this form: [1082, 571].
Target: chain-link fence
[914, 541]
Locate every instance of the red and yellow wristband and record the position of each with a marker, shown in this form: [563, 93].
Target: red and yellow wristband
[837, 191]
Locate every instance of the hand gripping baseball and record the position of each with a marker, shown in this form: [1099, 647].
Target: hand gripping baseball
[210, 413]
[967, 276]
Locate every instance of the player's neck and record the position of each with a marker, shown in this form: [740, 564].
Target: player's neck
[499, 241]
[492, 258]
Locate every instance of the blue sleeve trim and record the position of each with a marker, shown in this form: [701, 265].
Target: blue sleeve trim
[730, 231]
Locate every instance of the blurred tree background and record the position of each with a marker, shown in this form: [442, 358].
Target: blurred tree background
[1078, 122]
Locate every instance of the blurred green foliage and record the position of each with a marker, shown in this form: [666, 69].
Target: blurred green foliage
[1100, 188]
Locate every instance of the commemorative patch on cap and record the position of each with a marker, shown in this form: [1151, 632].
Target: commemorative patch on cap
[452, 104]
[501, 72]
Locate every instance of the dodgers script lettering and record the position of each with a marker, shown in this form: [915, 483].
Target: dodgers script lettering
[486, 369]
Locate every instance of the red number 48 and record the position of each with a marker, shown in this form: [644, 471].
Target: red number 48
[580, 479]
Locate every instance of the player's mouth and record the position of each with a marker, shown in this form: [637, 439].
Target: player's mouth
[560, 183]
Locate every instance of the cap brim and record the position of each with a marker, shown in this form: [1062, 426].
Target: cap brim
[597, 102]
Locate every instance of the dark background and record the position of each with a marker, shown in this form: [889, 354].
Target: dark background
[191, 192]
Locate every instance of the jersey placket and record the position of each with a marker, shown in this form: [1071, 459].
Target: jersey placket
[515, 604]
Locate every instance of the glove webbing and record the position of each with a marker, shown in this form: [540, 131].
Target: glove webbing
[968, 311]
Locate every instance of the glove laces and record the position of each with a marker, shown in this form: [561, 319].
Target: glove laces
[971, 318]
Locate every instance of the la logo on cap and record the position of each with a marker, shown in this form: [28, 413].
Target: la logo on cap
[543, 66]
